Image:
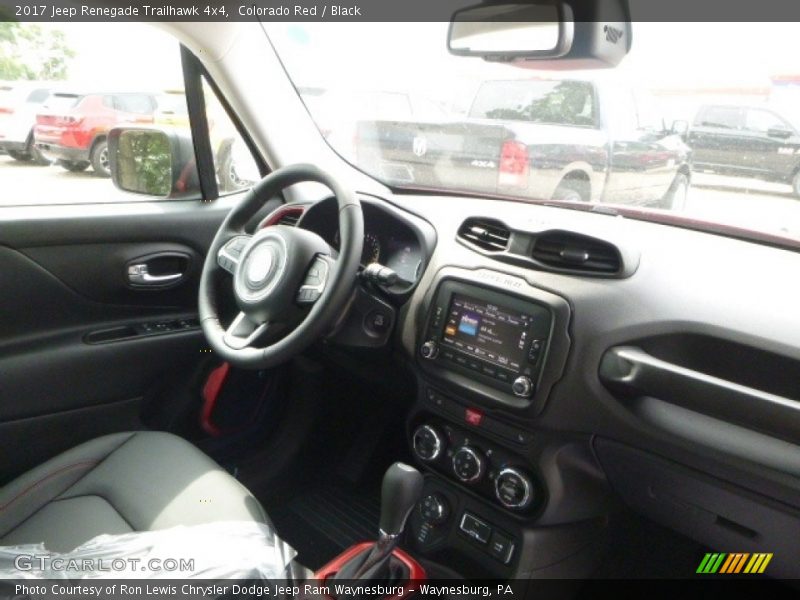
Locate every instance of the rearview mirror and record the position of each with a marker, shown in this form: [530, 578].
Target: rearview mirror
[154, 162]
[587, 33]
[520, 29]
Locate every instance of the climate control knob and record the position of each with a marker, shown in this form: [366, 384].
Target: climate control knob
[434, 509]
[428, 443]
[468, 464]
[522, 386]
[513, 488]
[429, 349]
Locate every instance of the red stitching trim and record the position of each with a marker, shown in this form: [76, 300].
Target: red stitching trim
[45, 478]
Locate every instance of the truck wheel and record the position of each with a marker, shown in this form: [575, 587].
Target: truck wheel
[675, 198]
[100, 161]
[572, 190]
[74, 166]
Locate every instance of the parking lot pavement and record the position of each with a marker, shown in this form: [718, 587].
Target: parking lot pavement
[741, 202]
[27, 183]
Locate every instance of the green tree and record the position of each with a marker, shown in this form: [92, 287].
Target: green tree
[29, 52]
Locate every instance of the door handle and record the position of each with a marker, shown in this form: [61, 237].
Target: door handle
[139, 274]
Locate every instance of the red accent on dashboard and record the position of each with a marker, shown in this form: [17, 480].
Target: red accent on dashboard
[416, 571]
[211, 389]
[473, 417]
[279, 213]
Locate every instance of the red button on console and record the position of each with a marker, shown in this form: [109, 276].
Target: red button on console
[473, 417]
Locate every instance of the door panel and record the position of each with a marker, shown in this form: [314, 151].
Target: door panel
[98, 272]
[63, 280]
[772, 156]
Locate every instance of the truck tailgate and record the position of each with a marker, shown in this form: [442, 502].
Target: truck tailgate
[451, 155]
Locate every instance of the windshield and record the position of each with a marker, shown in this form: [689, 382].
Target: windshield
[693, 132]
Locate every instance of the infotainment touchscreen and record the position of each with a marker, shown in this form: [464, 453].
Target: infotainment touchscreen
[486, 331]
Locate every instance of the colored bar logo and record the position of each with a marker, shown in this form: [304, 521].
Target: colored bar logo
[733, 563]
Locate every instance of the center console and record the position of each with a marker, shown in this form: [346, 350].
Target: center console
[489, 348]
[493, 343]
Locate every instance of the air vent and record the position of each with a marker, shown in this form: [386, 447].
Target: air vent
[486, 234]
[576, 252]
[290, 218]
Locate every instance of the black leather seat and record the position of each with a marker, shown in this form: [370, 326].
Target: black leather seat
[117, 484]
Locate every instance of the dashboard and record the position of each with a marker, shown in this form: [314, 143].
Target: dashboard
[653, 382]
[564, 358]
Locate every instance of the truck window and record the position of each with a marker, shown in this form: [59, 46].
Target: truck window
[761, 121]
[724, 117]
[548, 102]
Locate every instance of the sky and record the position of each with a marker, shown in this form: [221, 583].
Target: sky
[122, 56]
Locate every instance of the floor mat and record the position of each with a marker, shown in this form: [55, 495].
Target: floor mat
[323, 522]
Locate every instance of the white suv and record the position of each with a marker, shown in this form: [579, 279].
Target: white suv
[19, 103]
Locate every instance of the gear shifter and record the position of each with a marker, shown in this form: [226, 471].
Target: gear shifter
[401, 489]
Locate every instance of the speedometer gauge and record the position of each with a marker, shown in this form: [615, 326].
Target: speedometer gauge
[372, 249]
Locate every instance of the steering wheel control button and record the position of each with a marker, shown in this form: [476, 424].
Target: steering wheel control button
[468, 464]
[314, 283]
[434, 509]
[229, 254]
[428, 443]
[429, 350]
[501, 547]
[314, 276]
[522, 386]
[513, 489]
[475, 528]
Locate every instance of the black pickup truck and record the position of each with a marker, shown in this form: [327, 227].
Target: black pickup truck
[756, 141]
[542, 139]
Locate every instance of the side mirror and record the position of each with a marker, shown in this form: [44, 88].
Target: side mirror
[780, 133]
[154, 162]
[587, 33]
[679, 127]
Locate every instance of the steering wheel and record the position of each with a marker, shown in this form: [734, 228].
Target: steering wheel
[289, 284]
